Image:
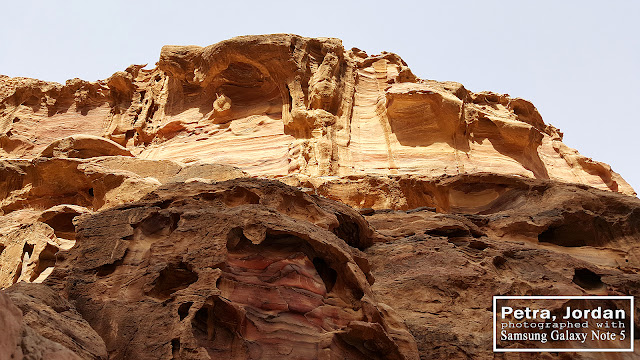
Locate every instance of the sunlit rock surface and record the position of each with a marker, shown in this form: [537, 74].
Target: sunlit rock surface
[277, 196]
[284, 104]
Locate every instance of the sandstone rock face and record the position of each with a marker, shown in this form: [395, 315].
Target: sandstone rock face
[38, 324]
[11, 321]
[276, 196]
[56, 320]
[84, 146]
[28, 253]
[284, 104]
[243, 269]
[441, 270]
[42, 197]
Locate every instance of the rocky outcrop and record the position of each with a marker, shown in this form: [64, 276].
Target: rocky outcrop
[40, 325]
[31, 238]
[287, 105]
[84, 146]
[278, 196]
[29, 253]
[242, 269]
[441, 269]
[94, 183]
[11, 321]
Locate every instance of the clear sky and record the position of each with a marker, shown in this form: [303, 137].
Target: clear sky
[577, 61]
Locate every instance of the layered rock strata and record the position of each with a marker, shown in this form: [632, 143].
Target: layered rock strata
[440, 270]
[243, 269]
[389, 211]
[284, 104]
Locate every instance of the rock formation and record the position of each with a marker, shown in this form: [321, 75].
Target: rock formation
[278, 196]
[283, 104]
[38, 324]
[239, 269]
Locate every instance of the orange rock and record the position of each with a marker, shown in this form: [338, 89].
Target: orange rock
[131, 196]
[278, 105]
[84, 146]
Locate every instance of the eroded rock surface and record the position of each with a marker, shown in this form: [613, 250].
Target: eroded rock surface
[42, 197]
[132, 198]
[84, 146]
[38, 324]
[441, 270]
[243, 269]
[284, 104]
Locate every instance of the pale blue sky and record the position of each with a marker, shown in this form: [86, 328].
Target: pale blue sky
[577, 61]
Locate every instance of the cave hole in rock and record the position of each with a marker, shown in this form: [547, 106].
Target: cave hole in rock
[152, 110]
[499, 261]
[246, 85]
[243, 75]
[478, 245]
[175, 347]
[587, 279]
[569, 235]
[129, 134]
[158, 224]
[357, 293]
[234, 237]
[27, 248]
[33, 102]
[349, 231]
[183, 309]
[266, 285]
[201, 322]
[165, 204]
[172, 278]
[580, 228]
[249, 90]
[328, 275]
[281, 261]
[62, 225]
[449, 231]
[108, 269]
[215, 327]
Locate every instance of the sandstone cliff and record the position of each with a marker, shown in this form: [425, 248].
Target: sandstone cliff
[283, 104]
[282, 197]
